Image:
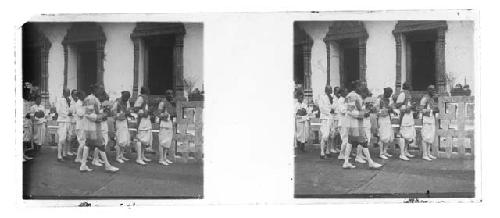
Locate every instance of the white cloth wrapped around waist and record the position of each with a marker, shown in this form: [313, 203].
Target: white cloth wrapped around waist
[145, 124]
[408, 120]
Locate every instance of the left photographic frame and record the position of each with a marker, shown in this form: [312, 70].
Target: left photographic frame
[112, 110]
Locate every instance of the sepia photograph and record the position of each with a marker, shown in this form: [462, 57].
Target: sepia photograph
[112, 110]
[384, 109]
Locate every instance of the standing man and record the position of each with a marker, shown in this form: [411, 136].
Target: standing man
[407, 127]
[39, 121]
[166, 112]
[386, 133]
[356, 132]
[80, 125]
[301, 118]
[429, 109]
[64, 117]
[121, 111]
[144, 130]
[343, 123]
[326, 109]
[95, 139]
[335, 136]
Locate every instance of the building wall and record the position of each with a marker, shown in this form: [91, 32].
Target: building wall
[381, 54]
[317, 30]
[459, 51]
[193, 53]
[55, 33]
[119, 57]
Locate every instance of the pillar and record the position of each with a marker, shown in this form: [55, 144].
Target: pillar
[398, 37]
[135, 88]
[179, 66]
[440, 61]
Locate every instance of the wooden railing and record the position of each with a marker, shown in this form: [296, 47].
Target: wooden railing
[455, 127]
[188, 137]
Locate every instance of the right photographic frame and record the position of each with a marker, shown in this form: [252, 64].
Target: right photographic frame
[384, 109]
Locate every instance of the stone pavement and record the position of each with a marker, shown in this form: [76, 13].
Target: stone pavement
[316, 178]
[45, 177]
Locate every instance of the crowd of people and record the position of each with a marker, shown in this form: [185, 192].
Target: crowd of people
[84, 120]
[349, 120]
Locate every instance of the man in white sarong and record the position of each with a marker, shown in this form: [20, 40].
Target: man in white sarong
[428, 108]
[39, 121]
[121, 111]
[326, 107]
[144, 130]
[64, 116]
[356, 132]
[301, 121]
[407, 128]
[166, 113]
[385, 130]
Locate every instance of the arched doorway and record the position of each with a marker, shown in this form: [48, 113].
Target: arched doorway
[424, 43]
[158, 57]
[85, 42]
[349, 37]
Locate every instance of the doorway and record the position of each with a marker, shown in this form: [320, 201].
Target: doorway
[86, 65]
[349, 63]
[159, 63]
[421, 59]
[32, 65]
[423, 64]
[298, 70]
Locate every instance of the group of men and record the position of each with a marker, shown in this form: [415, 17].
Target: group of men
[84, 119]
[349, 119]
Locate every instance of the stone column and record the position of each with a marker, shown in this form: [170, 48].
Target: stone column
[135, 88]
[100, 61]
[327, 63]
[44, 83]
[306, 49]
[440, 61]
[362, 58]
[179, 66]
[398, 37]
[65, 83]
[341, 68]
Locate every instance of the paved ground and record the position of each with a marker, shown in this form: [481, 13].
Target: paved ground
[318, 178]
[45, 177]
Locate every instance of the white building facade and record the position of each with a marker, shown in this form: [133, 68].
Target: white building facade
[384, 53]
[121, 56]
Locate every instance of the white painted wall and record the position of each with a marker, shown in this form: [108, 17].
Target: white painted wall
[317, 30]
[459, 51]
[193, 53]
[381, 54]
[55, 33]
[119, 57]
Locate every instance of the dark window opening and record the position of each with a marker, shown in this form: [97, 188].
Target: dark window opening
[298, 70]
[160, 63]
[423, 59]
[32, 59]
[350, 62]
[32, 65]
[86, 65]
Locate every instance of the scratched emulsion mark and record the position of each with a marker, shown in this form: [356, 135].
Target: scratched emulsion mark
[85, 204]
